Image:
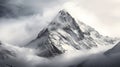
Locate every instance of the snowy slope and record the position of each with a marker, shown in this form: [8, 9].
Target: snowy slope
[64, 33]
[114, 50]
[14, 56]
[108, 58]
[6, 54]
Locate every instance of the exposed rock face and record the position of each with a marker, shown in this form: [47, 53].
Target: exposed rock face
[65, 34]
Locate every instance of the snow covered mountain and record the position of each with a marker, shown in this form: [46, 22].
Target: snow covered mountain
[5, 55]
[114, 50]
[65, 33]
[15, 56]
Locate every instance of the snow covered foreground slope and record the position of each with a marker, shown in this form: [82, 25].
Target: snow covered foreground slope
[64, 33]
[109, 58]
[114, 50]
[14, 56]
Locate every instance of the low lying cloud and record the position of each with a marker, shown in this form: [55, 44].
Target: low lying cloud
[26, 57]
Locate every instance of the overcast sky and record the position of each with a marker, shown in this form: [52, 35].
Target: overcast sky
[26, 16]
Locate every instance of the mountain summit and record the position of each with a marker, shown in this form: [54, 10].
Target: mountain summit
[63, 34]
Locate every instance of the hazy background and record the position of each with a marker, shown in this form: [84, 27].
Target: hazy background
[21, 20]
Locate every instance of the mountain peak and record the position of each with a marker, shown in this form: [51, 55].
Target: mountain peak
[63, 34]
[63, 15]
[63, 11]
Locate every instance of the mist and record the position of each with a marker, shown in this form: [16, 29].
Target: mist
[26, 57]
